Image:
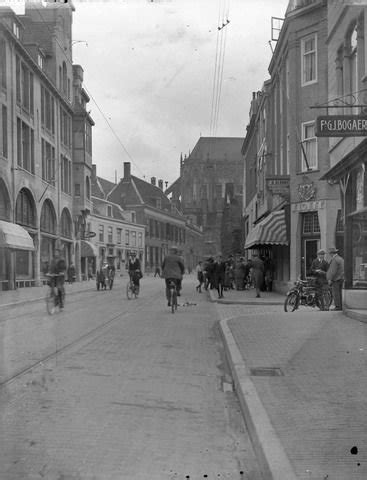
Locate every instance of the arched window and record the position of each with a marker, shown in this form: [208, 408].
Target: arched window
[24, 210]
[4, 202]
[48, 218]
[87, 187]
[66, 224]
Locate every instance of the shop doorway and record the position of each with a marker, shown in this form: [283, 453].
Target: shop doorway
[309, 253]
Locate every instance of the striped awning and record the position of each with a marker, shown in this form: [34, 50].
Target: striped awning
[88, 249]
[14, 236]
[270, 231]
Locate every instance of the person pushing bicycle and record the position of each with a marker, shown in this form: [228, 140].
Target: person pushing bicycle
[173, 269]
[134, 269]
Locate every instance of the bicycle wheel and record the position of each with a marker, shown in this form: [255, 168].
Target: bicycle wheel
[129, 291]
[291, 302]
[328, 299]
[50, 302]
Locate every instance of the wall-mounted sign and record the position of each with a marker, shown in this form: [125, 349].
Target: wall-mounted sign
[341, 126]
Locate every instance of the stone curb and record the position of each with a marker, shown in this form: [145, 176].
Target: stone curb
[270, 453]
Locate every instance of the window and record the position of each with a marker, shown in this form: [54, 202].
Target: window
[2, 64]
[119, 233]
[109, 210]
[218, 191]
[133, 239]
[65, 174]
[101, 233]
[127, 237]
[40, 61]
[16, 30]
[24, 211]
[65, 128]
[309, 60]
[64, 79]
[48, 162]
[48, 218]
[88, 138]
[47, 111]
[24, 86]
[66, 224]
[4, 117]
[77, 189]
[204, 191]
[87, 187]
[140, 239]
[309, 150]
[311, 223]
[110, 235]
[25, 146]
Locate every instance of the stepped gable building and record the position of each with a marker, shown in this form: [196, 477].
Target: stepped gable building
[213, 167]
[164, 223]
[116, 231]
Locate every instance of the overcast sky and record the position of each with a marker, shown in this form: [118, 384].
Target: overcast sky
[153, 67]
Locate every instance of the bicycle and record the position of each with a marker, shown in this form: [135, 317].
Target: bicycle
[132, 289]
[172, 294]
[56, 294]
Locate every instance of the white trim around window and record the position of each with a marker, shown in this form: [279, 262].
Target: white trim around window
[309, 142]
[309, 60]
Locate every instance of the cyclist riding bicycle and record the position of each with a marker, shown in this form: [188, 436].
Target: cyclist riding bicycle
[56, 272]
[172, 269]
[134, 269]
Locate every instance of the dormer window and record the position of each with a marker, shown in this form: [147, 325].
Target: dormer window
[40, 61]
[109, 210]
[16, 29]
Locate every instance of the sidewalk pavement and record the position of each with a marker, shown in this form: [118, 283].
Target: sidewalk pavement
[301, 381]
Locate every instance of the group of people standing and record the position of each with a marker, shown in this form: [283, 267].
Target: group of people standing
[329, 273]
[235, 274]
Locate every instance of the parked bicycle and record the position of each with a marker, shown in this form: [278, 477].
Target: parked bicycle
[55, 298]
[307, 295]
[172, 294]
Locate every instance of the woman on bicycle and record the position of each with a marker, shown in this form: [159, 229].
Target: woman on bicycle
[173, 268]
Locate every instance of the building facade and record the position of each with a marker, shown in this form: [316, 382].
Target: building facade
[347, 64]
[292, 214]
[211, 180]
[164, 224]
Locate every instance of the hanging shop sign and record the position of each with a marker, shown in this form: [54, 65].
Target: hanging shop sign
[341, 126]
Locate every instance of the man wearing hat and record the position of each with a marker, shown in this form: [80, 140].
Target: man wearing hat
[318, 269]
[335, 277]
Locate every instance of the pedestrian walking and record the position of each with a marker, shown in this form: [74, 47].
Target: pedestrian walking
[71, 273]
[199, 275]
[257, 266]
[219, 273]
[335, 277]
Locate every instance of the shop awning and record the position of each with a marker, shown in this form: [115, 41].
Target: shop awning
[270, 231]
[14, 236]
[88, 249]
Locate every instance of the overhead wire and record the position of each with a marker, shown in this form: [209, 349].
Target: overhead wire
[219, 92]
[90, 95]
[223, 21]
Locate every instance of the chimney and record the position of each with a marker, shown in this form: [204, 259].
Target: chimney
[160, 184]
[127, 170]
[152, 180]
